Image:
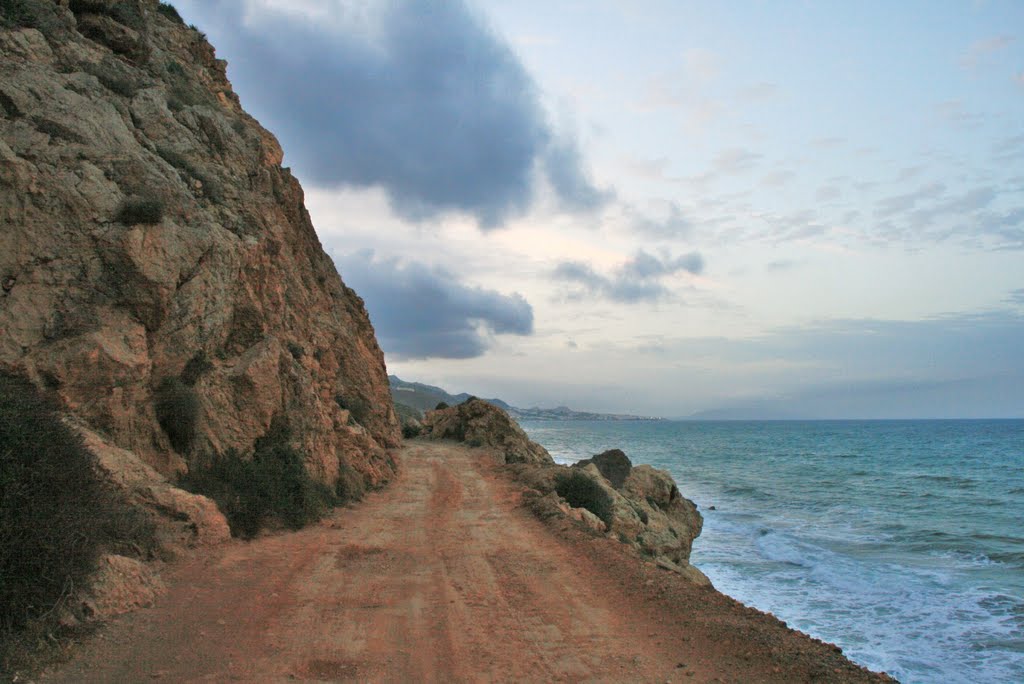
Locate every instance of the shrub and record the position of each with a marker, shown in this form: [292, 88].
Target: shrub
[291, 494]
[296, 350]
[351, 485]
[177, 411]
[212, 187]
[197, 367]
[141, 210]
[168, 10]
[582, 492]
[113, 75]
[440, 406]
[273, 484]
[16, 13]
[56, 513]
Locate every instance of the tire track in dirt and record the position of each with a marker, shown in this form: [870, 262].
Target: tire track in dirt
[441, 577]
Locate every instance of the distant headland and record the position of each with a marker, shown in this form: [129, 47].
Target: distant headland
[422, 397]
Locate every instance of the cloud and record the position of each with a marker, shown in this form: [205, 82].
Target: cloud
[781, 265]
[564, 167]
[828, 192]
[956, 113]
[639, 279]
[668, 221]
[758, 92]
[896, 204]
[957, 365]
[980, 50]
[735, 161]
[778, 178]
[1016, 297]
[421, 312]
[418, 97]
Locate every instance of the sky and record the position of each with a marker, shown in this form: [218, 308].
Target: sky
[789, 209]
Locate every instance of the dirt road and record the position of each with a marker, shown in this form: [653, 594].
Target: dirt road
[441, 577]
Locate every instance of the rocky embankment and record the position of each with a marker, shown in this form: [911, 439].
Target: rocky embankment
[607, 495]
[160, 274]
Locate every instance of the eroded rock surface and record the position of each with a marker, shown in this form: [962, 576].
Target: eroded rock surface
[148, 231]
[479, 423]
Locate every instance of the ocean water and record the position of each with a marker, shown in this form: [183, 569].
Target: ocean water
[900, 541]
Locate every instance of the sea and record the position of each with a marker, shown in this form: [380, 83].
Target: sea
[900, 541]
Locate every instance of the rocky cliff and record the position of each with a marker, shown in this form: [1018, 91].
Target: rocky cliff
[151, 242]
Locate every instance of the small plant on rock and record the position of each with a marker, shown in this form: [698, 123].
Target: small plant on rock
[582, 492]
[56, 513]
[141, 210]
[177, 411]
[168, 10]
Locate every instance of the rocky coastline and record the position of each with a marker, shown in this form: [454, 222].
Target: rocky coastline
[634, 518]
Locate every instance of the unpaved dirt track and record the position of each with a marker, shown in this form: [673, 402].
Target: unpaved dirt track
[441, 577]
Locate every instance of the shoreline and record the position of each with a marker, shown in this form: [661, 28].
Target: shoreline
[739, 635]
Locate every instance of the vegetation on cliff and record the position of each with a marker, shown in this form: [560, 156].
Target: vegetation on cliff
[57, 514]
[272, 484]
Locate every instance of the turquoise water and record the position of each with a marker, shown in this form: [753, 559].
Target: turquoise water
[900, 541]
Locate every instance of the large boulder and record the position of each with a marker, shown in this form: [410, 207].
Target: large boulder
[639, 505]
[479, 423]
[613, 464]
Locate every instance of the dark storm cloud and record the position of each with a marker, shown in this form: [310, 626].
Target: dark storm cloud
[420, 312]
[564, 166]
[639, 279]
[429, 105]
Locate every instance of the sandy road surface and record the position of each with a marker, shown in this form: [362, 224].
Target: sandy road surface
[441, 577]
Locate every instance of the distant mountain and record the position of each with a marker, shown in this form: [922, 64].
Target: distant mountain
[750, 413]
[423, 397]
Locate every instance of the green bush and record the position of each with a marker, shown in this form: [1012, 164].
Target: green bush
[212, 188]
[440, 406]
[177, 411]
[27, 14]
[273, 484]
[351, 485]
[141, 210]
[582, 492]
[168, 10]
[56, 513]
[198, 366]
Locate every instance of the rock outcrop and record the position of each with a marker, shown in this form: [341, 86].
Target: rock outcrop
[479, 423]
[150, 238]
[606, 494]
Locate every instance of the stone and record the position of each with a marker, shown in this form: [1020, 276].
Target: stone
[614, 465]
[479, 423]
[187, 519]
[646, 511]
[120, 585]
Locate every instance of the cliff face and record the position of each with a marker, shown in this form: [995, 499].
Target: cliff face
[149, 232]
